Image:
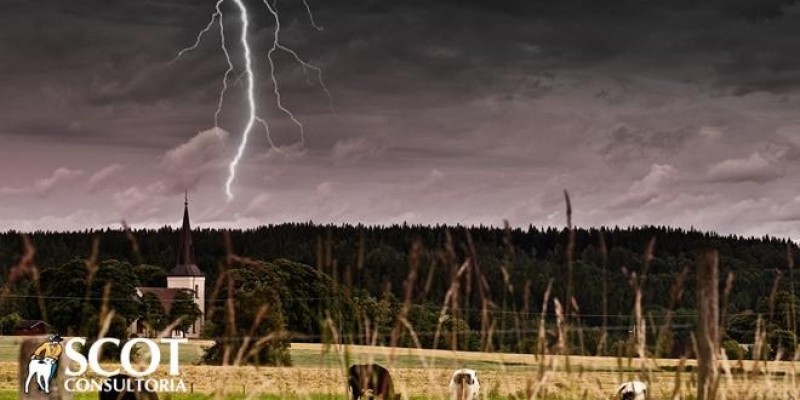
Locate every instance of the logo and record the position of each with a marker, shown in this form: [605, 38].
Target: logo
[43, 364]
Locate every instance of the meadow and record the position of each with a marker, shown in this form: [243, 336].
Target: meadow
[318, 373]
[245, 319]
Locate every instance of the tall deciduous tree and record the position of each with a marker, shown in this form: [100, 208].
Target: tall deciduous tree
[150, 275]
[76, 293]
[184, 310]
[153, 313]
[257, 333]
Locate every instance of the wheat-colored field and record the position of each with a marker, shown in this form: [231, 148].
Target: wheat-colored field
[424, 373]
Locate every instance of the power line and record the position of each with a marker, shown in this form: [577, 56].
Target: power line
[429, 306]
[297, 299]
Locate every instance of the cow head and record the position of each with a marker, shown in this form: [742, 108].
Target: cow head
[628, 395]
[633, 390]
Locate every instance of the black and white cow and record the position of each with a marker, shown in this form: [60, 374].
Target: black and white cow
[633, 390]
[464, 385]
[369, 381]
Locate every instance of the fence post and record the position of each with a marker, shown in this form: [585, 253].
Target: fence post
[57, 389]
[707, 324]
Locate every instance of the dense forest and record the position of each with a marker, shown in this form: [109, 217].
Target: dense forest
[465, 287]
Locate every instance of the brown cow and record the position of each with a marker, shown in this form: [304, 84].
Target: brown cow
[370, 381]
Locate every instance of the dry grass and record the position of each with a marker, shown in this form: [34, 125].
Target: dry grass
[423, 373]
[501, 374]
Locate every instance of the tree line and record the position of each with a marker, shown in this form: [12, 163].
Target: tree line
[433, 286]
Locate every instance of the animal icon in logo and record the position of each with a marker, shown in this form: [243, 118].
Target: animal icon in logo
[43, 364]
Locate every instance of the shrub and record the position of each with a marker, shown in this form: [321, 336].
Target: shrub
[732, 350]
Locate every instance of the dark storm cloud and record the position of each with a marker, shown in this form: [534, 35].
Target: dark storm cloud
[445, 111]
[435, 50]
[625, 142]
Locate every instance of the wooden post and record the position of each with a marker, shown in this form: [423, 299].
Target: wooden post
[57, 389]
[707, 324]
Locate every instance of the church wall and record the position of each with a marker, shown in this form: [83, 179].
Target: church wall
[194, 283]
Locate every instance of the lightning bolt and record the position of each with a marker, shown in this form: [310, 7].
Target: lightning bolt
[251, 101]
[311, 16]
[250, 77]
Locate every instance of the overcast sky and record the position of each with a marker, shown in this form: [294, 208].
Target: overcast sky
[681, 113]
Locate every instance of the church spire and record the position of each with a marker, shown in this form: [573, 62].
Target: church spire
[186, 264]
[185, 247]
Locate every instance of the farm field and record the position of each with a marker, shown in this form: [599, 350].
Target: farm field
[423, 374]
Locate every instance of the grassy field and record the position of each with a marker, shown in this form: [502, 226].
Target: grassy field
[318, 373]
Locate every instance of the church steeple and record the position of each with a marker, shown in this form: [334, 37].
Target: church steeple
[186, 275]
[185, 247]
[186, 264]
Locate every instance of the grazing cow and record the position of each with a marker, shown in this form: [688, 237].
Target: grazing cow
[40, 370]
[633, 390]
[116, 388]
[464, 385]
[369, 381]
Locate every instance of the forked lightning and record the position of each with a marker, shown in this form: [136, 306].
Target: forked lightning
[250, 76]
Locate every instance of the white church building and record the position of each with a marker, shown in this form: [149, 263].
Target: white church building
[185, 275]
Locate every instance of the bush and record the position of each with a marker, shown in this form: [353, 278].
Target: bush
[257, 335]
[784, 341]
[8, 323]
[732, 350]
[118, 328]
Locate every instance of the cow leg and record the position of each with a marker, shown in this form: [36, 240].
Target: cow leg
[45, 383]
[28, 381]
[39, 381]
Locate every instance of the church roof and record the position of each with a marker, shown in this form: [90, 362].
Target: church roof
[186, 265]
[186, 270]
[165, 295]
